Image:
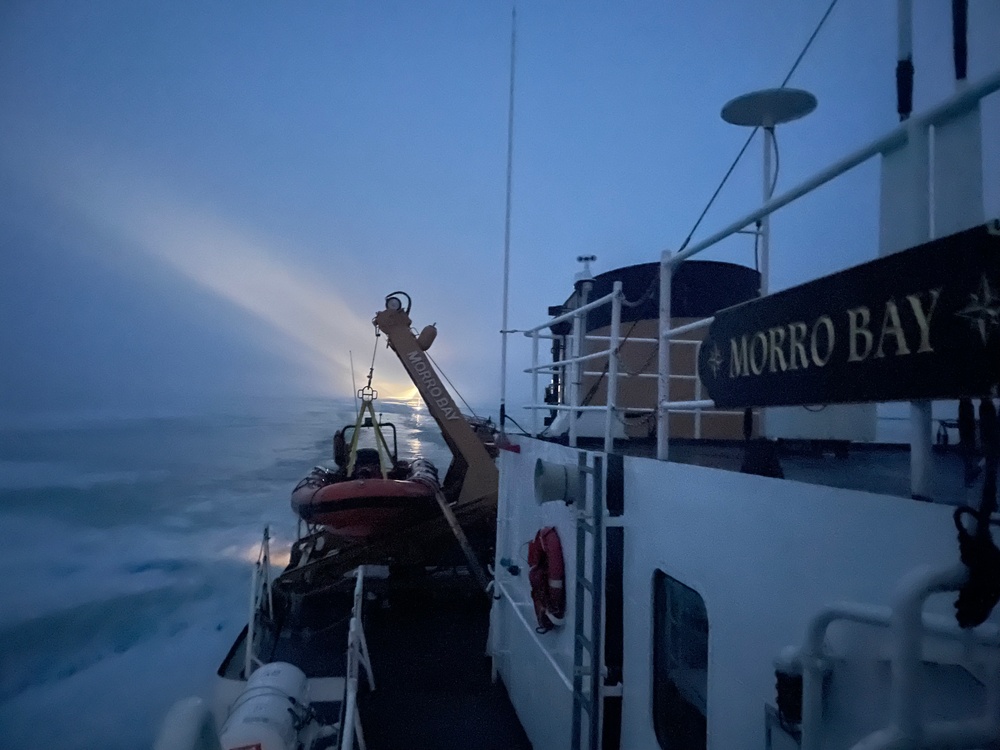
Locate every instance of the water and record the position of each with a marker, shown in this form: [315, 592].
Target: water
[126, 545]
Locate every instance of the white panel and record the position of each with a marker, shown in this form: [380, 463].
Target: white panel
[904, 208]
[958, 174]
[765, 555]
[540, 697]
[854, 422]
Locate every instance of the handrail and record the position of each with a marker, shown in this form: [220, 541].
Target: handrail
[571, 361]
[357, 655]
[962, 101]
[531, 630]
[696, 326]
[898, 136]
[907, 623]
[572, 313]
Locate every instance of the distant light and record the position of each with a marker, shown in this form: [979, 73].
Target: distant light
[393, 304]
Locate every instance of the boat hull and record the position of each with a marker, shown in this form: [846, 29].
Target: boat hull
[361, 508]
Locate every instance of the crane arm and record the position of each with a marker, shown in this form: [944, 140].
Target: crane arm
[481, 478]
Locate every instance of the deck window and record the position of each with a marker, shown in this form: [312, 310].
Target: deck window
[680, 664]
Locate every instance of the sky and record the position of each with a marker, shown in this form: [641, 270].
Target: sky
[202, 201]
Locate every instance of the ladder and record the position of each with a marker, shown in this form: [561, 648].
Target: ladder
[588, 612]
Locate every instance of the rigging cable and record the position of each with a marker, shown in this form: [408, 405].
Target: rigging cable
[438, 367]
[371, 370]
[746, 145]
[646, 295]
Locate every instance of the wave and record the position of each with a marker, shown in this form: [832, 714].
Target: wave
[55, 646]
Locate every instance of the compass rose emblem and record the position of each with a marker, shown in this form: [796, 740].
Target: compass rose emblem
[715, 360]
[983, 310]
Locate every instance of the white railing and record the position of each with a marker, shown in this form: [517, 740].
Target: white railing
[260, 587]
[959, 104]
[571, 365]
[532, 631]
[916, 127]
[357, 657]
[908, 624]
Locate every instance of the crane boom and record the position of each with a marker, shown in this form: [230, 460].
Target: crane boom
[480, 480]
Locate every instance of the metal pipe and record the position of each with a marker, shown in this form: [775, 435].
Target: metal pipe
[697, 393]
[960, 102]
[566, 407]
[595, 373]
[563, 363]
[873, 614]
[705, 403]
[534, 380]
[921, 441]
[696, 326]
[906, 625]
[908, 615]
[614, 356]
[574, 376]
[248, 661]
[904, 38]
[631, 339]
[765, 221]
[267, 571]
[350, 714]
[663, 381]
[583, 286]
[506, 224]
[572, 313]
[359, 586]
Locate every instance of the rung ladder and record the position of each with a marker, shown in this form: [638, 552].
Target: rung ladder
[587, 611]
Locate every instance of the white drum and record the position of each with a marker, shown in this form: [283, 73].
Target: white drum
[260, 718]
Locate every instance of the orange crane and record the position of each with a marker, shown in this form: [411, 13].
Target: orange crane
[472, 475]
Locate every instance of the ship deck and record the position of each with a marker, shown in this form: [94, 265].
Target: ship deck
[434, 689]
[882, 469]
[426, 635]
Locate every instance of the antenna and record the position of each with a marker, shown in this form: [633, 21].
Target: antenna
[506, 228]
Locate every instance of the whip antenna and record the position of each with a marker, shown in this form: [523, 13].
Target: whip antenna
[506, 228]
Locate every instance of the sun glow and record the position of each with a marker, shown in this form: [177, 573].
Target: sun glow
[312, 320]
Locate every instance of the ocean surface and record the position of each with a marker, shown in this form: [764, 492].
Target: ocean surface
[126, 546]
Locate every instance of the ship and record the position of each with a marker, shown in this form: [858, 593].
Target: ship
[727, 559]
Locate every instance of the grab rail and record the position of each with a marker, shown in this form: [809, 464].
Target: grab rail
[899, 136]
[357, 656]
[958, 104]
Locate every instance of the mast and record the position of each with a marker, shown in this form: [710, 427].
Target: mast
[506, 229]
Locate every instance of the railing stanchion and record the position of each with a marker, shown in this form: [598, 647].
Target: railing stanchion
[613, 359]
[574, 376]
[697, 392]
[663, 380]
[534, 382]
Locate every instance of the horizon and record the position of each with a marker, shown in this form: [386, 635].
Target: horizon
[205, 204]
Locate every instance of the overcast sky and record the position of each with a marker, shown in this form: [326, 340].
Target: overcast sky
[202, 199]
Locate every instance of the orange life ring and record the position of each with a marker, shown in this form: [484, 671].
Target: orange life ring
[548, 579]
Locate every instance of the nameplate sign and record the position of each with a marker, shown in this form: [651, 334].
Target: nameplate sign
[923, 323]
